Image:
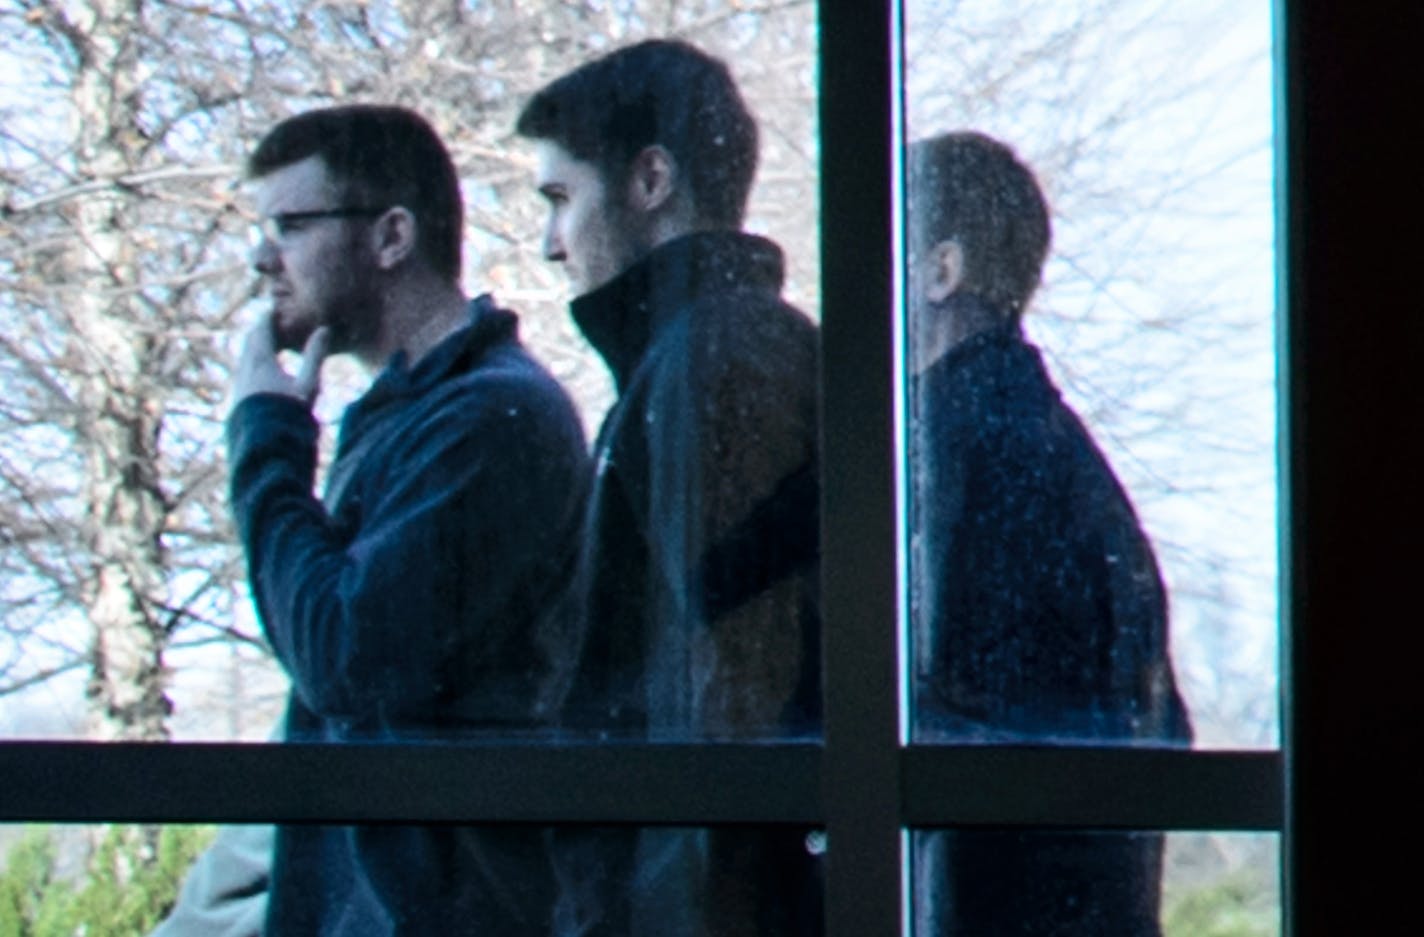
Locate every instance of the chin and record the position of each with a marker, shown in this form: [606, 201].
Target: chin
[290, 336]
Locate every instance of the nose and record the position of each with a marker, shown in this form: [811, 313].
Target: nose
[553, 244]
[265, 256]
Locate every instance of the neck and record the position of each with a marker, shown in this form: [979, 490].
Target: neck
[947, 324]
[668, 226]
[418, 314]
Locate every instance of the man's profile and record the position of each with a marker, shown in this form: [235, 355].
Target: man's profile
[416, 599]
[1038, 612]
[698, 578]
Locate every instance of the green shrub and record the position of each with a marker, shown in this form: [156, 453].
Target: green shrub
[1237, 906]
[128, 883]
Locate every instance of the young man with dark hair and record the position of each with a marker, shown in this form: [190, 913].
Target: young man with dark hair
[418, 598]
[611, 110]
[699, 570]
[1038, 612]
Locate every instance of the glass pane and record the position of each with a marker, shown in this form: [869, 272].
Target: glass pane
[129, 880]
[129, 283]
[452, 548]
[1023, 883]
[1089, 372]
[113, 880]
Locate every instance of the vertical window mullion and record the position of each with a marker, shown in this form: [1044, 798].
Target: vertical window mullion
[1355, 334]
[861, 783]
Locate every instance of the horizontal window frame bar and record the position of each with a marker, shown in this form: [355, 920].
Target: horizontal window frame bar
[417, 783]
[676, 784]
[1046, 788]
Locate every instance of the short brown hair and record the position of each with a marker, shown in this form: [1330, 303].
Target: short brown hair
[969, 188]
[664, 92]
[380, 156]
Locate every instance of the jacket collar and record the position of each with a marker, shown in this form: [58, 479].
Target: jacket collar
[1002, 333]
[455, 353]
[622, 317]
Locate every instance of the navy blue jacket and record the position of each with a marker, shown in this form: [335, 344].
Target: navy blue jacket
[419, 600]
[1039, 616]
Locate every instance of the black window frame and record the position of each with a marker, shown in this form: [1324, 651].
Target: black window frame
[1345, 779]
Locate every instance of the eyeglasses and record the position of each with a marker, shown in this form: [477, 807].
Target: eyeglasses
[277, 228]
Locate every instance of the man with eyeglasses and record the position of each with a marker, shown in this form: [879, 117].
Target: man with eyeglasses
[418, 598]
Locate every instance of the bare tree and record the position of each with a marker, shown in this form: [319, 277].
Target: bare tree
[123, 276]
[107, 238]
[123, 228]
[1148, 124]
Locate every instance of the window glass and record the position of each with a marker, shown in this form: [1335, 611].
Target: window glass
[999, 882]
[128, 284]
[481, 558]
[1089, 372]
[127, 880]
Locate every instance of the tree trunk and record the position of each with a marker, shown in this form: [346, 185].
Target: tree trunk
[119, 403]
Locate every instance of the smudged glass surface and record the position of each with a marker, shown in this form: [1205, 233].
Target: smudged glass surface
[126, 610]
[1091, 496]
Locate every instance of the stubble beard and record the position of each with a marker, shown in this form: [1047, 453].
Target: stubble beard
[288, 335]
[354, 312]
[629, 240]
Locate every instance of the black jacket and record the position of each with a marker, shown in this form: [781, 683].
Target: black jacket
[702, 537]
[700, 573]
[1039, 610]
[418, 601]
[1039, 616]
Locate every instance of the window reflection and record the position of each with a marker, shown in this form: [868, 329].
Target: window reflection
[1088, 403]
[1038, 610]
[1091, 494]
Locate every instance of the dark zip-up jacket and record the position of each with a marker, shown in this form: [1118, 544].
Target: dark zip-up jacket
[1039, 617]
[700, 574]
[1039, 610]
[418, 600]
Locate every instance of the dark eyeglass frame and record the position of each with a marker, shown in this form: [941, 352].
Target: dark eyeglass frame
[276, 227]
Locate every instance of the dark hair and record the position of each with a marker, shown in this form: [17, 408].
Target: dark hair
[970, 188]
[380, 156]
[663, 92]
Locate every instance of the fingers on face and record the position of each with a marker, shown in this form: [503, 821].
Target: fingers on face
[313, 354]
[260, 341]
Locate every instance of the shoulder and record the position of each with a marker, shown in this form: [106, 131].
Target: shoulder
[749, 329]
[498, 400]
[506, 384]
[994, 408]
[495, 367]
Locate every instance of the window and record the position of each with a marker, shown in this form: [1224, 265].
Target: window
[1353, 505]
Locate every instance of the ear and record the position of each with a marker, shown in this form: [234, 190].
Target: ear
[393, 237]
[945, 270]
[652, 179]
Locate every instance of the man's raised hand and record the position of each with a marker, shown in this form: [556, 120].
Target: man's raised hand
[260, 372]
